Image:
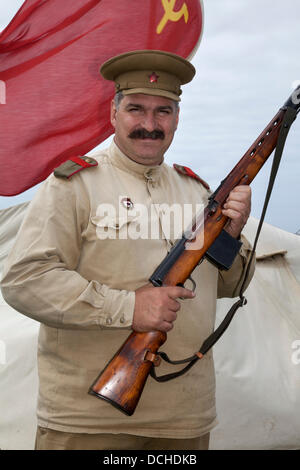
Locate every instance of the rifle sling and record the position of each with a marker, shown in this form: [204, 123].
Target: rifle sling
[289, 117]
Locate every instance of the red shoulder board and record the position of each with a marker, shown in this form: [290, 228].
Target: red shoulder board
[184, 170]
[73, 166]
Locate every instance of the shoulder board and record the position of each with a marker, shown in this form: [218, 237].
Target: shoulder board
[73, 166]
[186, 171]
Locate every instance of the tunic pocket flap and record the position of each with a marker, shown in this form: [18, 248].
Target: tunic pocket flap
[112, 222]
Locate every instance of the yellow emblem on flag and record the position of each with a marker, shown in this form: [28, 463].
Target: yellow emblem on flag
[171, 15]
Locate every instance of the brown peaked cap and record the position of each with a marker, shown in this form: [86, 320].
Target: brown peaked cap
[149, 72]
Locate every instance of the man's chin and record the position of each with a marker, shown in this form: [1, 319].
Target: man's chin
[149, 158]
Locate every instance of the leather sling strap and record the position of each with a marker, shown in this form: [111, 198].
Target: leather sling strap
[289, 117]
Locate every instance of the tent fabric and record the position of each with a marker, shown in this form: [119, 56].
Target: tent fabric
[18, 379]
[50, 56]
[18, 349]
[257, 375]
[257, 372]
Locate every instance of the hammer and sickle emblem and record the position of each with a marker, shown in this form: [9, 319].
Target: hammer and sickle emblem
[171, 15]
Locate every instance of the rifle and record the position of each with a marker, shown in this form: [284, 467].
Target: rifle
[122, 381]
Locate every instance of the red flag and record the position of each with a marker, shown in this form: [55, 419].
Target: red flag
[54, 104]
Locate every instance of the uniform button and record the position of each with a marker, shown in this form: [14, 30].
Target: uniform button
[148, 175]
[108, 321]
[122, 319]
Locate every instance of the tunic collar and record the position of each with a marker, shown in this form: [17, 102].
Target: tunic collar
[120, 160]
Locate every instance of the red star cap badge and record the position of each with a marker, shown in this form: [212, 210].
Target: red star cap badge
[153, 77]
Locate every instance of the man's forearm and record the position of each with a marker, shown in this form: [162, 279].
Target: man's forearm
[63, 299]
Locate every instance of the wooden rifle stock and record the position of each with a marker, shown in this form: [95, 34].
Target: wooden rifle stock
[122, 381]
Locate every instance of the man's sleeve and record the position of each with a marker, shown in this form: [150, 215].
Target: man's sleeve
[40, 278]
[230, 282]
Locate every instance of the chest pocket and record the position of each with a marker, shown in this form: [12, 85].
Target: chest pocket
[113, 228]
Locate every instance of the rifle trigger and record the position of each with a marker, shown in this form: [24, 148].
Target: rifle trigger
[193, 285]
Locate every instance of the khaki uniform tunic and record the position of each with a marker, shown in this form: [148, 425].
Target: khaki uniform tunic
[65, 272]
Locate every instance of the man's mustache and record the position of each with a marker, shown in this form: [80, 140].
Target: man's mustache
[144, 134]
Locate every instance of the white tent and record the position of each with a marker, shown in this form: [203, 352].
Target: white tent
[18, 348]
[257, 363]
[257, 359]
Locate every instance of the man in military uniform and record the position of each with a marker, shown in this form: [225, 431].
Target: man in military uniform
[80, 269]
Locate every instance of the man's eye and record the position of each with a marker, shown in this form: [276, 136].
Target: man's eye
[133, 109]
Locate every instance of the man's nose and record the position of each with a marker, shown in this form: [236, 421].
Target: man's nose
[149, 122]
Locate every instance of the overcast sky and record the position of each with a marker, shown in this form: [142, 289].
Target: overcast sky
[247, 64]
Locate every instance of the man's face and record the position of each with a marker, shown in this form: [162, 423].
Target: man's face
[144, 127]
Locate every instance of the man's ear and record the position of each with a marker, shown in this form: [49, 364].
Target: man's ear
[113, 111]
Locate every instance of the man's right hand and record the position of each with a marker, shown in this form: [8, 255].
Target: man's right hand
[156, 307]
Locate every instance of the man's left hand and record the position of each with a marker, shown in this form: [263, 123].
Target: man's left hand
[237, 208]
